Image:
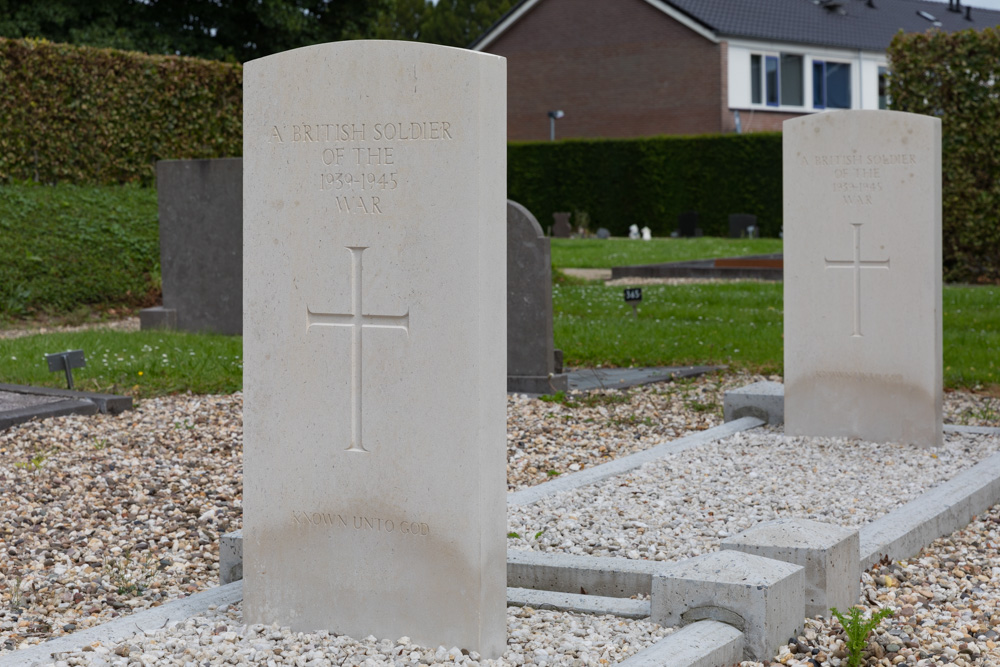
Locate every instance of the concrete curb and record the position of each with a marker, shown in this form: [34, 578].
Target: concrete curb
[938, 512]
[567, 573]
[581, 604]
[618, 466]
[701, 644]
[45, 410]
[977, 430]
[123, 628]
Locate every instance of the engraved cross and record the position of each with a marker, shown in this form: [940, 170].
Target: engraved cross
[358, 321]
[856, 265]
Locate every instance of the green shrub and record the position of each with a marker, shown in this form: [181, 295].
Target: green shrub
[84, 115]
[648, 182]
[954, 76]
[69, 245]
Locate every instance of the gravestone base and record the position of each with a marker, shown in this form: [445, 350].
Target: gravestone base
[830, 555]
[763, 598]
[763, 400]
[537, 384]
[158, 318]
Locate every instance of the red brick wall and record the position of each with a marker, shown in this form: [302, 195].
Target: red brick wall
[760, 121]
[618, 68]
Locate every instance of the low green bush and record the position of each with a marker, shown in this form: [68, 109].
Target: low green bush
[77, 114]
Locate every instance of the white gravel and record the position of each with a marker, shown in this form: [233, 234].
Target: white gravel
[683, 505]
[166, 480]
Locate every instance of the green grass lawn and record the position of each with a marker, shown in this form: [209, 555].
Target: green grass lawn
[604, 254]
[740, 324]
[140, 363]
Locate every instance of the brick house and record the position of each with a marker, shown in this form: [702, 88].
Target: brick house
[632, 68]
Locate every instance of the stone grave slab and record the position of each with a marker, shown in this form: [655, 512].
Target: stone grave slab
[200, 206]
[374, 342]
[530, 347]
[862, 290]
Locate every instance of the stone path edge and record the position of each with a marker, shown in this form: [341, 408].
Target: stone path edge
[618, 466]
[76, 403]
[941, 511]
[125, 627]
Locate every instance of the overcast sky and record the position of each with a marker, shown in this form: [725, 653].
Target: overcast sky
[988, 4]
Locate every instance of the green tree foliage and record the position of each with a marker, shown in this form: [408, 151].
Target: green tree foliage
[956, 77]
[233, 30]
[449, 22]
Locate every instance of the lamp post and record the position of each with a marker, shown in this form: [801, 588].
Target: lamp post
[553, 116]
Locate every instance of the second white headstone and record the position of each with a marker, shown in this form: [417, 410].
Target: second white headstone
[862, 251]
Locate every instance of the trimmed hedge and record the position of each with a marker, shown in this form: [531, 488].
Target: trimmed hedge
[956, 76]
[100, 116]
[648, 182]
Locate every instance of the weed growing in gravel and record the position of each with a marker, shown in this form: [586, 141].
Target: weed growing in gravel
[131, 576]
[857, 629]
[35, 463]
[586, 400]
[16, 599]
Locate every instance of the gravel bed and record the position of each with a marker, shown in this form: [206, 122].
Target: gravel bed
[945, 603]
[220, 637]
[683, 505]
[95, 508]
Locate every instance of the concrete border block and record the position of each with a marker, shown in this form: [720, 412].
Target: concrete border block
[537, 384]
[626, 463]
[701, 644]
[581, 604]
[157, 317]
[106, 403]
[231, 557]
[939, 512]
[589, 575]
[763, 598]
[829, 554]
[123, 628]
[763, 400]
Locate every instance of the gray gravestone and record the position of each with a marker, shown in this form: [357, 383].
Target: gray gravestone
[561, 229]
[687, 224]
[201, 246]
[742, 225]
[530, 357]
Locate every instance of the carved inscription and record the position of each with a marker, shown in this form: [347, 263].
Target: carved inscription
[857, 375]
[858, 178]
[359, 164]
[361, 523]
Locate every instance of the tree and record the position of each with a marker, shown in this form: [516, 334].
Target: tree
[449, 22]
[235, 30]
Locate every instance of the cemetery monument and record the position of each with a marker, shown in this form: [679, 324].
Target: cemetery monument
[374, 337]
[862, 251]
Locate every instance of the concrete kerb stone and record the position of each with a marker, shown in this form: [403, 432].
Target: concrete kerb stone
[938, 512]
[829, 554]
[701, 644]
[764, 400]
[575, 602]
[567, 573]
[106, 403]
[626, 463]
[763, 598]
[231, 557]
[121, 629]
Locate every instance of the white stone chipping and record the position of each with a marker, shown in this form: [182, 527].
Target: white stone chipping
[684, 505]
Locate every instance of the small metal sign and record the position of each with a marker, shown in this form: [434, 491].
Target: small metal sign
[66, 361]
[633, 295]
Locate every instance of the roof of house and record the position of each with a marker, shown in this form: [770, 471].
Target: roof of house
[868, 25]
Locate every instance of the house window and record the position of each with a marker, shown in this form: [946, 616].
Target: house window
[831, 85]
[776, 80]
[883, 88]
[755, 74]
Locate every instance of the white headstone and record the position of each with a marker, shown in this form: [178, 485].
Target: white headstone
[862, 251]
[633, 231]
[374, 342]
[647, 234]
